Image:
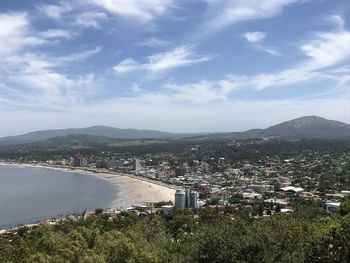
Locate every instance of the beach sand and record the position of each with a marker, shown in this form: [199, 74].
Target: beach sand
[135, 191]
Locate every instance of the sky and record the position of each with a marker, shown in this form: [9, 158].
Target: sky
[172, 65]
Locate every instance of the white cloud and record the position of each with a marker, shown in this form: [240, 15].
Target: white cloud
[15, 33]
[77, 57]
[179, 57]
[327, 49]
[336, 20]
[127, 65]
[56, 33]
[29, 74]
[154, 42]
[269, 50]
[202, 92]
[37, 78]
[323, 51]
[91, 19]
[254, 37]
[224, 13]
[56, 11]
[139, 10]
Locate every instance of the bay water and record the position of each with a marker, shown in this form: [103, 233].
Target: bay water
[28, 194]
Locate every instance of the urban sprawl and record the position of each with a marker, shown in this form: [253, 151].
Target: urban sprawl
[234, 175]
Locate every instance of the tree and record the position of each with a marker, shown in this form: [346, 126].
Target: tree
[345, 206]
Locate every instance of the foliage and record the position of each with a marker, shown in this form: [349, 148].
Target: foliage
[345, 207]
[208, 235]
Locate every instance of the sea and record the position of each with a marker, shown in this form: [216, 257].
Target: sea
[28, 195]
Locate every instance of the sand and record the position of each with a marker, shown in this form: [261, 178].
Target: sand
[130, 190]
[136, 191]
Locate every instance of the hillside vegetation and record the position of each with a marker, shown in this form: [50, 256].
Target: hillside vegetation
[181, 236]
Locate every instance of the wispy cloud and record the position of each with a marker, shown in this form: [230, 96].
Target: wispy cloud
[154, 42]
[269, 50]
[202, 92]
[336, 20]
[80, 56]
[179, 57]
[90, 19]
[323, 51]
[15, 33]
[224, 13]
[57, 33]
[31, 74]
[127, 65]
[56, 11]
[254, 37]
[38, 75]
[138, 10]
[326, 49]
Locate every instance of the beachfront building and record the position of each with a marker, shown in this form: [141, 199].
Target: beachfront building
[180, 199]
[186, 198]
[136, 165]
[180, 171]
[194, 199]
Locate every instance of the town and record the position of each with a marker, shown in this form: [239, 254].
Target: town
[260, 177]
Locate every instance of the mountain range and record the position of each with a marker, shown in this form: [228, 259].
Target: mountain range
[300, 128]
[103, 131]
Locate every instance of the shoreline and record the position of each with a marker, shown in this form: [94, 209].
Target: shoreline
[129, 189]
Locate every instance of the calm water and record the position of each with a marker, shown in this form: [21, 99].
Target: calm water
[31, 194]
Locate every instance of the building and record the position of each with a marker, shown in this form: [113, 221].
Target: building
[180, 171]
[101, 164]
[186, 198]
[194, 199]
[205, 167]
[180, 199]
[84, 161]
[292, 189]
[78, 160]
[111, 164]
[136, 165]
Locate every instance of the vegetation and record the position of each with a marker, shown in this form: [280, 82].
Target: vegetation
[207, 235]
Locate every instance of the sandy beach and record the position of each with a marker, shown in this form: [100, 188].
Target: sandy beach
[136, 191]
[129, 190]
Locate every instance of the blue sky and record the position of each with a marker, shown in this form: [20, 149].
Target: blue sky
[173, 65]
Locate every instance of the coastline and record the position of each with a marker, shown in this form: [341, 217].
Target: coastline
[130, 190]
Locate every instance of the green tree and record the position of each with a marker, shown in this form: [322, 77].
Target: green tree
[345, 206]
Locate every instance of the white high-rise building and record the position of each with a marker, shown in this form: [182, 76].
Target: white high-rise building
[186, 198]
[137, 165]
[180, 199]
[194, 199]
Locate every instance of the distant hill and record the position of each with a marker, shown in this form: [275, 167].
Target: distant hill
[313, 127]
[308, 127]
[102, 131]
